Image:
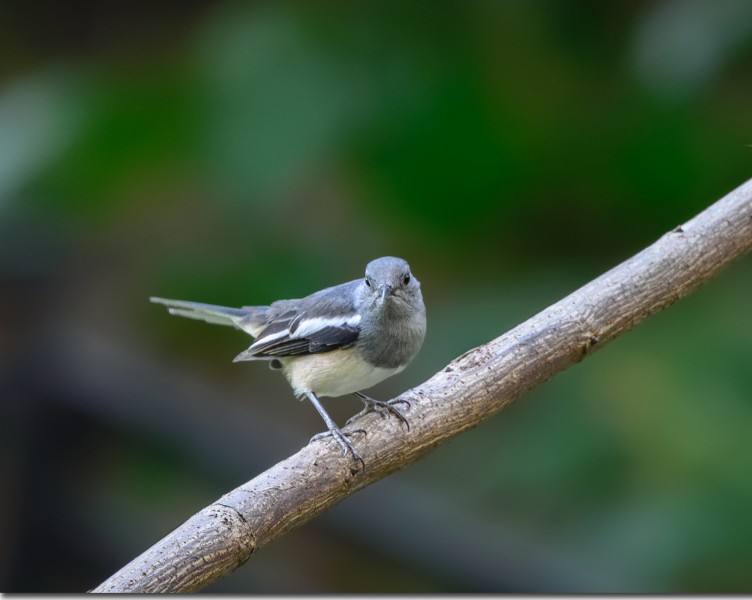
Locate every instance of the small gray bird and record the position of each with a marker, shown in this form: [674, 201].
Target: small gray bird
[337, 341]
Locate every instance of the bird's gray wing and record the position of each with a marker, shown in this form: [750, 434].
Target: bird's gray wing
[324, 321]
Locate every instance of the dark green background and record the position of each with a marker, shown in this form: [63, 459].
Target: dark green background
[237, 153]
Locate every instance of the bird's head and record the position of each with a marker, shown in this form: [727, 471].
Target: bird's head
[389, 279]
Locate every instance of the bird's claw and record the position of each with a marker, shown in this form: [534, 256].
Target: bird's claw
[343, 441]
[383, 408]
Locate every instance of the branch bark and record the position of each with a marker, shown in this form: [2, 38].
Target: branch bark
[470, 389]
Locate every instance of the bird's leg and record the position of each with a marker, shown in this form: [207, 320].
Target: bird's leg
[380, 406]
[334, 431]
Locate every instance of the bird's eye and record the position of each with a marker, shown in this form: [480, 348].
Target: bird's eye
[406, 279]
[368, 282]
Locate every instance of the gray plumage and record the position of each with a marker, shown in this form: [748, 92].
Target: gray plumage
[336, 341]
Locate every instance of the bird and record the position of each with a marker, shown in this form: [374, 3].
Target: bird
[334, 342]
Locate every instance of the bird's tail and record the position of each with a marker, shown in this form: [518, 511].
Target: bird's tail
[241, 318]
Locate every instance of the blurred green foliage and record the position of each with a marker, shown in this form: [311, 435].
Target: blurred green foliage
[237, 153]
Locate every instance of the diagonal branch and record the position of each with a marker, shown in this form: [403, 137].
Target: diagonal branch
[474, 386]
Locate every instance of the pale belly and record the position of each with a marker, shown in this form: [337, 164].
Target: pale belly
[335, 373]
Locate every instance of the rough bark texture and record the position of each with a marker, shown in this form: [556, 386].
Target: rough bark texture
[471, 388]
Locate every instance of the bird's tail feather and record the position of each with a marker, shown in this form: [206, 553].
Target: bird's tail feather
[211, 313]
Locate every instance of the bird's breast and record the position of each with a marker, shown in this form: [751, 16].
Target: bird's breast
[392, 342]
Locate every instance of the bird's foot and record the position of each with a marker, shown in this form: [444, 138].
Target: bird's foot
[383, 408]
[343, 441]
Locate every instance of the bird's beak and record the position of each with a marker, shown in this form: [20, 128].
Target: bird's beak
[384, 291]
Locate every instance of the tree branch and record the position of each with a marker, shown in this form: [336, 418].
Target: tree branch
[470, 389]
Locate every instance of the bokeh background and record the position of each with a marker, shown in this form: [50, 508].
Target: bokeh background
[239, 152]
